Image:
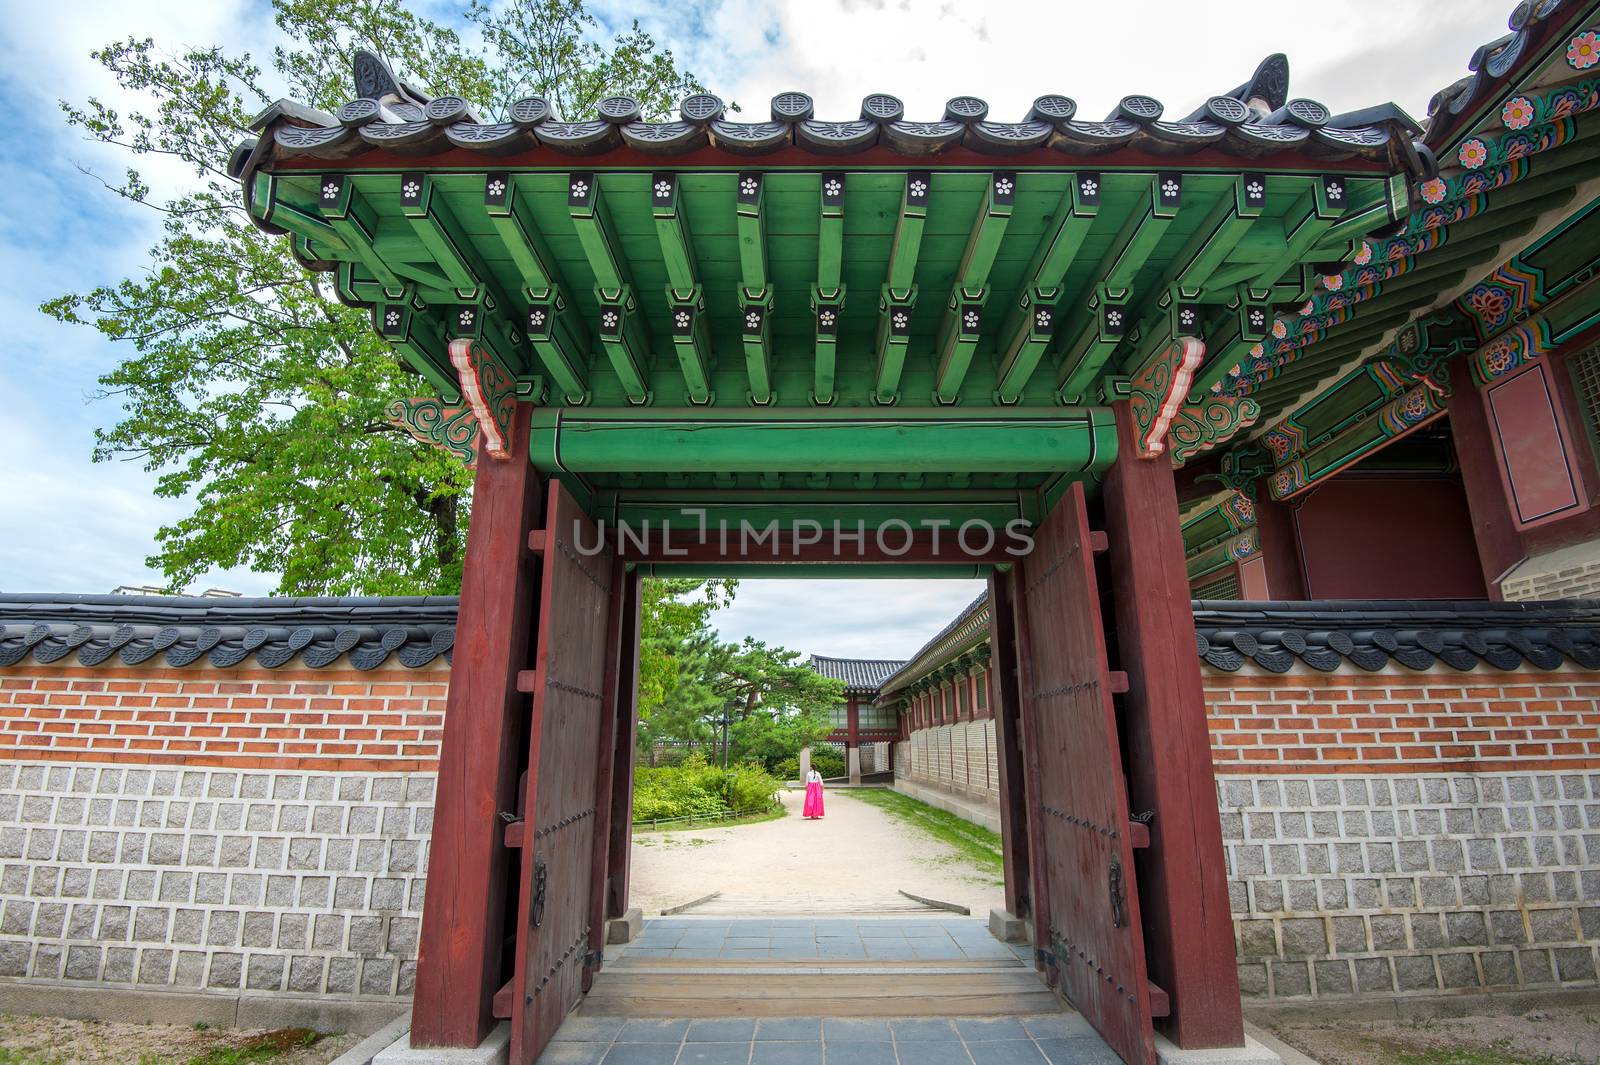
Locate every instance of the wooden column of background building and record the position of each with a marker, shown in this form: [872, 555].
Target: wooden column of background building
[621, 834]
[1493, 526]
[1003, 705]
[1183, 888]
[464, 915]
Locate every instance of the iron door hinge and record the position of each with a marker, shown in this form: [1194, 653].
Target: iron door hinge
[1118, 919]
[541, 876]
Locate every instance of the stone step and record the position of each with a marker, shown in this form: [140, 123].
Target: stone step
[814, 991]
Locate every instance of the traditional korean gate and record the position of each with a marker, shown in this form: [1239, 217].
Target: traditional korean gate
[1086, 899]
[567, 684]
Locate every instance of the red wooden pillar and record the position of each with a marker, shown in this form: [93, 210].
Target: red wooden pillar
[1003, 706]
[1493, 526]
[1183, 889]
[1278, 573]
[620, 837]
[464, 915]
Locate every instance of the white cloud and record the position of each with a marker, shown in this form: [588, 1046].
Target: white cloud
[846, 618]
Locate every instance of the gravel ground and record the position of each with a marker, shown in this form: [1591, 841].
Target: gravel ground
[1553, 1035]
[857, 850]
[58, 1041]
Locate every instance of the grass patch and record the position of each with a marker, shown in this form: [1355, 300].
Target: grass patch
[1474, 1055]
[261, 1048]
[694, 826]
[973, 842]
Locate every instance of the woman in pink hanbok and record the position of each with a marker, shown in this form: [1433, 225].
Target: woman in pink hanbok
[813, 807]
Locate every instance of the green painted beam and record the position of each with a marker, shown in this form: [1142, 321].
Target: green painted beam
[268, 202]
[690, 336]
[1093, 329]
[448, 243]
[403, 322]
[755, 289]
[1248, 322]
[898, 298]
[355, 224]
[858, 440]
[828, 293]
[960, 328]
[621, 333]
[1312, 216]
[1022, 342]
[553, 326]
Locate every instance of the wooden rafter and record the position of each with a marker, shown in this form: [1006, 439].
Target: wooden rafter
[897, 300]
[1094, 328]
[620, 331]
[755, 288]
[554, 329]
[960, 328]
[690, 337]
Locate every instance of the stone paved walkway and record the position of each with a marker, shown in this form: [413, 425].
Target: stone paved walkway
[1065, 1039]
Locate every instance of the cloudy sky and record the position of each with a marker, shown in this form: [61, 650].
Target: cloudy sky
[67, 524]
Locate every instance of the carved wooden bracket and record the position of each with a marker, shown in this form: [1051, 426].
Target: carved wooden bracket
[453, 429]
[490, 391]
[1160, 389]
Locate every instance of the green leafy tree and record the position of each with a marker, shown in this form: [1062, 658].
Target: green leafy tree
[246, 386]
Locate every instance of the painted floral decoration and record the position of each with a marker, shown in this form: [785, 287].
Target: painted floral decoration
[609, 319]
[1473, 153]
[1113, 318]
[410, 189]
[832, 187]
[1042, 318]
[682, 319]
[1364, 256]
[1280, 330]
[1517, 113]
[496, 187]
[826, 317]
[748, 186]
[663, 189]
[580, 189]
[1169, 188]
[1491, 304]
[918, 188]
[392, 318]
[1333, 282]
[900, 319]
[536, 318]
[1003, 186]
[1415, 405]
[1089, 186]
[752, 320]
[970, 319]
[330, 190]
[1583, 51]
[1498, 356]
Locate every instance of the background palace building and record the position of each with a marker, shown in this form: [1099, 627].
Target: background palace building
[1304, 411]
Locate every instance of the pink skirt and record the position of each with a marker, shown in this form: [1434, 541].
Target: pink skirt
[813, 807]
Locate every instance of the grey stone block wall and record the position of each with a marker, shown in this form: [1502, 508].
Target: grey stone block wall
[247, 881]
[1391, 884]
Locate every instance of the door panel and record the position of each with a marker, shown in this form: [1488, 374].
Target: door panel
[564, 736]
[1090, 894]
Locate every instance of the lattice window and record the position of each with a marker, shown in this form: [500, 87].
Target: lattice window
[1585, 369]
[983, 690]
[1224, 586]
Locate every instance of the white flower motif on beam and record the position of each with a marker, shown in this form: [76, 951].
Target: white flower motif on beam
[1255, 189]
[900, 319]
[920, 189]
[465, 318]
[536, 318]
[1113, 318]
[330, 190]
[748, 186]
[411, 190]
[1004, 186]
[970, 320]
[832, 186]
[1335, 192]
[609, 319]
[1088, 186]
[580, 189]
[825, 317]
[752, 321]
[1169, 188]
[392, 318]
[497, 187]
[1041, 319]
[681, 319]
[1186, 316]
[1258, 318]
[663, 189]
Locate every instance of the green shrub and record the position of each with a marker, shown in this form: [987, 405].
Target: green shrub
[787, 769]
[696, 788]
[828, 761]
[750, 789]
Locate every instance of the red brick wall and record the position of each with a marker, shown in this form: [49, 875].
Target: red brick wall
[1403, 722]
[386, 720]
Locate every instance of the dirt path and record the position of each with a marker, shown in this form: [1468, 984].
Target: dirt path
[60, 1041]
[857, 850]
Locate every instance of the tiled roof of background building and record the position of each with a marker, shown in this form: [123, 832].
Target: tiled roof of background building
[858, 674]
